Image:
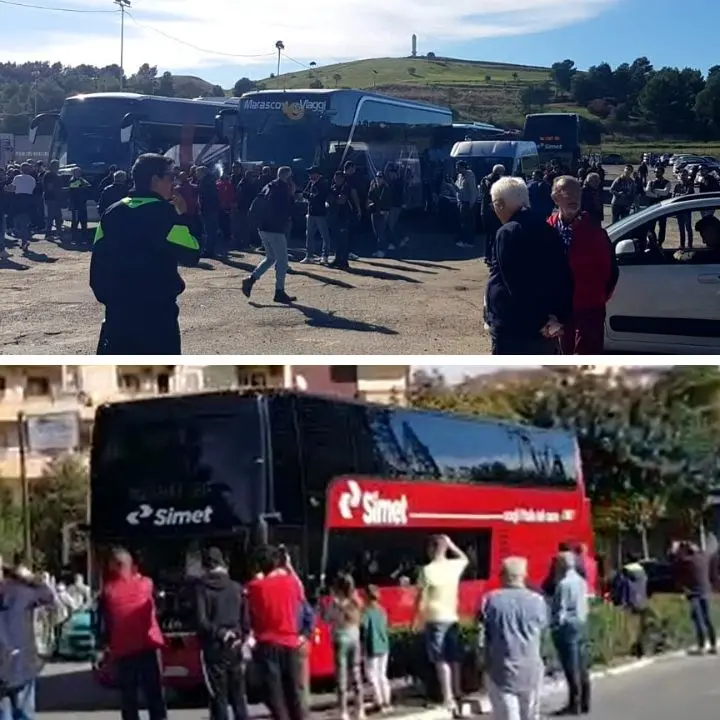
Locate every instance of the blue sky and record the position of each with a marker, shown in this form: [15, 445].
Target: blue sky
[537, 32]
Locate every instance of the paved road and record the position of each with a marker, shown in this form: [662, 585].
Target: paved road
[429, 302]
[671, 689]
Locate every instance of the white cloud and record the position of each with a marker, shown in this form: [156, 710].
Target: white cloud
[317, 29]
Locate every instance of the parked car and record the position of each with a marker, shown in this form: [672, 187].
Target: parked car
[664, 302]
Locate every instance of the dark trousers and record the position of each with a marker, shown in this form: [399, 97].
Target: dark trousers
[467, 222]
[571, 645]
[701, 620]
[507, 342]
[138, 333]
[280, 670]
[341, 236]
[619, 212]
[210, 232]
[685, 227]
[662, 230]
[136, 673]
[79, 219]
[225, 224]
[585, 333]
[490, 225]
[225, 679]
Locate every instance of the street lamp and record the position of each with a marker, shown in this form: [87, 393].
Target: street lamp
[123, 5]
[279, 46]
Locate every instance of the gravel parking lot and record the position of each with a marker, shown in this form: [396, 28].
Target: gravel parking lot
[428, 302]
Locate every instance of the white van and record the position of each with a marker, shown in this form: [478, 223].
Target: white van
[520, 158]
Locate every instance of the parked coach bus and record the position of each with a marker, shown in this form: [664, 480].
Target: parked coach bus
[557, 136]
[300, 128]
[100, 129]
[343, 485]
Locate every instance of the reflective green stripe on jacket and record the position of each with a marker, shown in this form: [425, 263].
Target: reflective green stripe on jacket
[178, 235]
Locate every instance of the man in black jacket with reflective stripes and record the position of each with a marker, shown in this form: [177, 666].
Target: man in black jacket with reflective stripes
[134, 270]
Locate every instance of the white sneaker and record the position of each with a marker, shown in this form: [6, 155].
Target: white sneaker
[378, 254]
[307, 260]
[325, 260]
[353, 256]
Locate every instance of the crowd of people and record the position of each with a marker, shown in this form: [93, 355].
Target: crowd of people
[270, 622]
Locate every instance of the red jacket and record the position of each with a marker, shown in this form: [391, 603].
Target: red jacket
[226, 194]
[127, 614]
[592, 263]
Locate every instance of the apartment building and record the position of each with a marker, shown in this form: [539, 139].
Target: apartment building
[41, 390]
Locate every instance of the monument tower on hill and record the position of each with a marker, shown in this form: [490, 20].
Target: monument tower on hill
[414, 45]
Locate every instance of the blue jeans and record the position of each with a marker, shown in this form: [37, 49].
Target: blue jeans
[317, 224]
[701, 620]
[20, 705]
[276, 254]
[570, 642]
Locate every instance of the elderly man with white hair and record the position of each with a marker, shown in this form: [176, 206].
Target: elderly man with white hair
[514, 618]
[529, 291]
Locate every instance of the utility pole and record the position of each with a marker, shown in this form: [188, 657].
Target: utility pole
[36, 78]
[123, 5]
[22, 445]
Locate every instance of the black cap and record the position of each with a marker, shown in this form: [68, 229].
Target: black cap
[314, 170]
[213, 558]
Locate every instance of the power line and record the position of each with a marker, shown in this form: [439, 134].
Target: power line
[55, 9]
[297, 62]
[191, 45]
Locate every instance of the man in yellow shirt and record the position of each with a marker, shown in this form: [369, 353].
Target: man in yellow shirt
[437, 608]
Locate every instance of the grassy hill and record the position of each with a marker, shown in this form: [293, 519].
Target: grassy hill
[191, 86]
[475, 90]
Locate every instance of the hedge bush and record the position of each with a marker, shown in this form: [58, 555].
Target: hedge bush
[612, 634]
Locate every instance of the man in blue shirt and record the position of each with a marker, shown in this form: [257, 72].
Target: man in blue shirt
[568, 620]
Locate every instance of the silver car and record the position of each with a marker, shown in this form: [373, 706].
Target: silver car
[667, 300]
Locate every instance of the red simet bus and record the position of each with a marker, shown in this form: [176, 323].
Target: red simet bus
[345, 486]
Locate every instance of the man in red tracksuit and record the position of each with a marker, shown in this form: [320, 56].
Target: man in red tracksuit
[129, 629]
[593, 266]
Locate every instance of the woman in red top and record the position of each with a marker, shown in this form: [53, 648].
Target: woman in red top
[593, 267]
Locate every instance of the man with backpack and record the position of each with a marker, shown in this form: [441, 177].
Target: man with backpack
[20, 665]
[272, 212]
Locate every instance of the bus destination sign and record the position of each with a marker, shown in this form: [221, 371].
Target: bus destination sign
[292, 109]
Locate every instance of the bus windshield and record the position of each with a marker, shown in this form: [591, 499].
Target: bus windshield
[557, 136]
[162, 473]
[87, 145]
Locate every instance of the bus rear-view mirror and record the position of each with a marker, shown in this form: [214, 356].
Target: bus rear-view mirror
[45, 122]
[127, 128]
[225, 122]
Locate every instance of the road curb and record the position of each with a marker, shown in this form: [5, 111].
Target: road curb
[481, 701]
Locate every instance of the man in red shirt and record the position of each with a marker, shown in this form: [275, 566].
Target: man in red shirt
[128, 627]
[275, 602]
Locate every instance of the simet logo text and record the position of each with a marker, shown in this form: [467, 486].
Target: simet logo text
[375, 509]
[164, 517]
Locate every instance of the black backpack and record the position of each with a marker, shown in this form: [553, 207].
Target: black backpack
[260, 208]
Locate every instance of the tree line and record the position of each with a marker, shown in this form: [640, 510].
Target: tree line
[636, 98]
[25, 87]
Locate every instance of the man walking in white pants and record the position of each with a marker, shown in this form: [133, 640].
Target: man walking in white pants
[514, 618]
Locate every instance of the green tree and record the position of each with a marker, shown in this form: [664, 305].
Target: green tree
[10, 523]
[165, 86]
[669, 97]
[242, 86]
[57, 498]
[563, 74]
